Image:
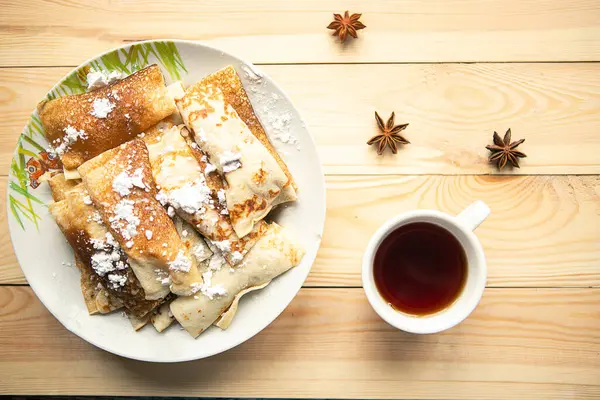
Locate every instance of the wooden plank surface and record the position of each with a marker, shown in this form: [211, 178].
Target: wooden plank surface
[39, 32]
[452, 110]
[519, 343]
[543, 230]
[535, 334]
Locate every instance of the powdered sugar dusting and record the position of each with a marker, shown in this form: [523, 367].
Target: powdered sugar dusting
[277, 124]
[98, 79]
[123, 183]
[236, 257]
[192, 198]
[181, 262]
[207, 289]
[124, 220]
[117, 281]
[101, 108]
[230, 161]
[60, 146]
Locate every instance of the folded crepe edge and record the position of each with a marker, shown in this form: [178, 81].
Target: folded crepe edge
[162, 318]
[137, 323]
[226, 318]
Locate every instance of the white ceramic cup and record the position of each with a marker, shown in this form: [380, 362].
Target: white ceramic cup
[461, 227]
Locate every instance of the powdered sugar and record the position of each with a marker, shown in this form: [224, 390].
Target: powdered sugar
[71, 136]
[181, 262]
[217, 260]
[221, 196]
[230, 161]
[87, 200]
[201, 136]
[193, 197]
[224, 246]
[117, 281]
[236, 257]
[280, 124]
[207, 289]
[162, 198]
[107, 258]
[148, 234]
[201, 252]
[98, 79]
[123, 183]
[101, 108]
[96, 217]
[209, 168]
[163, 277]
[276, 123]
[124, 220]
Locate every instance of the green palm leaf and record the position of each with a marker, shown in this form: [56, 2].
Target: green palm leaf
[28, 153]
[23, 191]
[167, 54]
[15, 213]
[33, 143]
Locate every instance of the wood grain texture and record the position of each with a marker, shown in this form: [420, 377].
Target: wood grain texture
[452, 110]
[543, 230]
[519, 343]
[41, 32]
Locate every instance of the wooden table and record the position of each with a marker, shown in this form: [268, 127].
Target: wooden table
[456, 70]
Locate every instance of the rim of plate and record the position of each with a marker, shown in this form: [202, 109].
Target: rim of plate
[282, 305]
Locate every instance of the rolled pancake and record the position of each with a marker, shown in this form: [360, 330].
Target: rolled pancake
[255, 179]
[101, 259]
[230, 84]
[82, 126]
[190, 185]
[121, 186]
[273, 254]
[96, 297]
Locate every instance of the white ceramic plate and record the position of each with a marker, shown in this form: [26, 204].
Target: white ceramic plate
[46, 258]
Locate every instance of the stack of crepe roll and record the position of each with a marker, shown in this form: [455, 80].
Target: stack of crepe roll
[163, 198]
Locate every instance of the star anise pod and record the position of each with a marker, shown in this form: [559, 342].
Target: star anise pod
[504, 151]
[346, 25]
[390, 135]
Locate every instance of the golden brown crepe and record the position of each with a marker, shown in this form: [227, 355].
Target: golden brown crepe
[231, 85]
[274, 253]
[59, 186]
[79, 127]
[96, 297]
[121, 186]
[196, 195]
[99, 255]
[256, 182]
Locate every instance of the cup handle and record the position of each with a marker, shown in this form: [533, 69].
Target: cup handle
[472, 216]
